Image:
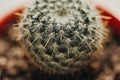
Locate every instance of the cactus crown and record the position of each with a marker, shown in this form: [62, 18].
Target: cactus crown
[61, 34]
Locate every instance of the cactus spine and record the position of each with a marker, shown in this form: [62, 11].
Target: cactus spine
[61, 34]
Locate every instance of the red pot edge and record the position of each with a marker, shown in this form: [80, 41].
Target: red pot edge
[114, 22]
[9, 18]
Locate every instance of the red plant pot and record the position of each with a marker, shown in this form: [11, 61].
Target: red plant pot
[111, 8]
[18, 5]
[8, 10]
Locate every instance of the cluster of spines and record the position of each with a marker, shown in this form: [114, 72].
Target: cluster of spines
[61, 44]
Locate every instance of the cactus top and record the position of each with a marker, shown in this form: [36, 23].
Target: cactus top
[61, 34]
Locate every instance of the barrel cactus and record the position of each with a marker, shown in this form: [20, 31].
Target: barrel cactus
[61, 35]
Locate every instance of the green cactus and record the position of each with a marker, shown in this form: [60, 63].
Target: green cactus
[61, 34]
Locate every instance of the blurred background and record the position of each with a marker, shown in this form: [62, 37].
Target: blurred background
[15, 63]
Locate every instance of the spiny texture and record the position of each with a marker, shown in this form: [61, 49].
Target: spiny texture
[61, 34]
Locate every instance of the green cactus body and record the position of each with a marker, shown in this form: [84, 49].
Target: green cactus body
[61, 34]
